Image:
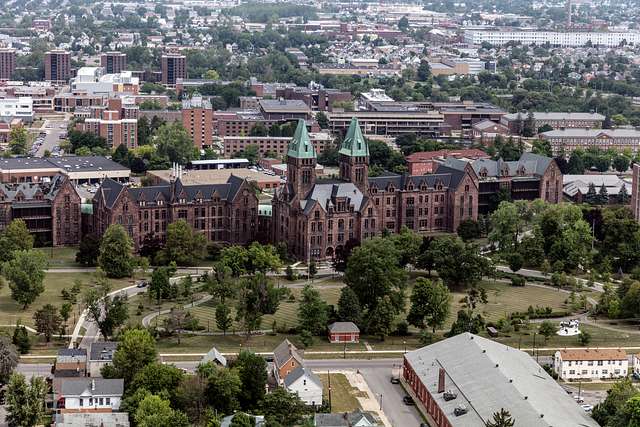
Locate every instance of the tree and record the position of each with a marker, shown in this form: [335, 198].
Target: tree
[47, 321]
[223, 317]
[373, 272]
[620, 392]
[621, 163]
[25, 401]
[241, 419]
[21, 340]
[403, 24]
[547, 330]
[468, 230]
[18, 140]
[136, 349]
[516, 261]
[224, 387]
[423, 73]
[591, 197]
[25, 273]
[629, 414]
[65, 313]
[262, 258]
[108, 311]
[89, 250]
[459, 265]
[158, 378]
[14, 238]
[175, 321]
[322, 120]
[154, 411]
[211, 75]
[313, 312]
[380, 317]
[507, 222]
[603, 196]
[253, 374]
[8, 359]
[160, 283]
[501, 419]
[283, 407]
[184, 246]
[236, 259]
[174, 143]
[349, 306]
[466, 322]
[257, 297]
[576, 164]
[116, 252]
[623, 195]
[430, 304]
[584, 338]
[529, 126]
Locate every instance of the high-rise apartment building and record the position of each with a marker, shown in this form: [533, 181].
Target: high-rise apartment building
[7, 63]
[197, 119]
[113, 62]
[174, 66]
[57, 66]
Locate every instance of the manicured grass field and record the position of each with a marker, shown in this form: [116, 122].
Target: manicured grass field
[343, 394]
[11, 311]
[61, 257]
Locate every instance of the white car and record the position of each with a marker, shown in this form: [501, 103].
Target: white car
[578, 399]
[587, 408]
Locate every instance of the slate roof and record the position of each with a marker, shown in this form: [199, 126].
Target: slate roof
[103, 387]
[354, 144]
[449, 177]
[324, 194]
[300, 372]
[227, 191]
[338, 327]
[285, 351]
[345, 420]
[102, 350]
[29, 190]
[488, 376]
[532, 164]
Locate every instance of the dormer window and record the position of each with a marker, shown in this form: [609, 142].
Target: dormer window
[160, 202]
[142, 202]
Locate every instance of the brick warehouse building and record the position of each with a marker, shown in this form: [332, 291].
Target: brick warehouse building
[317, 217]
[51, 210]
[223, 212]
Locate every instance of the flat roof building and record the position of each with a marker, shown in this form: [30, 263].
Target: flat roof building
[113, 62]
[57, 66]
[7, 63]
[174, 67]
[564, 141]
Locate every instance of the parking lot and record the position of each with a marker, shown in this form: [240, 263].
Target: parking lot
[49, 137]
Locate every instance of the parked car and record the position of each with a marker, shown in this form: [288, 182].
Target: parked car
[395, 380]
[408, 400]
[142, 284]
[587, 408]
[578, 399]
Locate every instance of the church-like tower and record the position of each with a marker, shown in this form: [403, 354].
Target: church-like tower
[354, 157]
[301, 162]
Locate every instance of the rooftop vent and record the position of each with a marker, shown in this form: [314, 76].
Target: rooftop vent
[449, 395]
[460, 410]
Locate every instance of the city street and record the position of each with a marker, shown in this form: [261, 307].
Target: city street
[53, 129]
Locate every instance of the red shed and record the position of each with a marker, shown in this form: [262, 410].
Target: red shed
[344, 332]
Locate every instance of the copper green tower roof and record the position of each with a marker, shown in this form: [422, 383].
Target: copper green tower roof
[300, 146]
[354, 144]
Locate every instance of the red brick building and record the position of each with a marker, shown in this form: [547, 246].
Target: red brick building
[57, 66]
[51, 210]
[197, 119]
[317, 217]
[344, 332]
[113, 62]
[174, 67]
[7, 63]
[425, 162]
[222, 212]
[116, 122]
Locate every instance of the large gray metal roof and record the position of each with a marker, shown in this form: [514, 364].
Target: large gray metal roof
[488, 376]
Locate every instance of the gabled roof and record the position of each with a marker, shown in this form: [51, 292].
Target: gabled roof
[356, 418]
[299, 373]
[214, 356]
[300, 146]
[91, 386]
[102, 351]
[325, 194]
[337, 327]
[284, 352]
[354, 144]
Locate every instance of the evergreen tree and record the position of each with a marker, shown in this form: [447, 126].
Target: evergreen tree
[623, 195]
[603, 196]
[591, 197]
[501, 419]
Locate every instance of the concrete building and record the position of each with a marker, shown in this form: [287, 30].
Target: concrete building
[16, 108]
[274, 145]
[78, 169]
[456, 66]
[557, 120]
[197, 119]
[318, 217]
[463, 380]
[215, 176]
[487, 131]
[113, 62]
[590, 364]
[173, 67]
[284, 109]
[566, 140]
[117, 123]
[561, 39]
[390, 122]
[7, 63]
[57, 66]
[95, 81]
[425, 162]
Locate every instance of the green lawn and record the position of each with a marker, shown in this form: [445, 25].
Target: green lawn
[61, 257]
[343, 394]
[11, 311]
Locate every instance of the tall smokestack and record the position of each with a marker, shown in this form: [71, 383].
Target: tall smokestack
[441, 380]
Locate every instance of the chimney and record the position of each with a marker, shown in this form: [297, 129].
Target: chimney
[441, 381]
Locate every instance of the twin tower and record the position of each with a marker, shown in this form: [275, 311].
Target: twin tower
[302, 159]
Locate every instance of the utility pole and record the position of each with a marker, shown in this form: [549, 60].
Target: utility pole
[329, 377]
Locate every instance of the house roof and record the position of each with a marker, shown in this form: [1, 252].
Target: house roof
[355, 418]
[326, 194]
[285, 351]
[92, 386]
[214, 355]
[300, 146]
[338, 327]
[102, 350]
[593, 354]
[449, 178]
[29, 190]
[354, 144]
[488, 376]
[541, 115]
[529, 164]
[301, 372]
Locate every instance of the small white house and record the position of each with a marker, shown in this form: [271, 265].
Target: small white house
[305, 384]
[89, 394]
[590, 364]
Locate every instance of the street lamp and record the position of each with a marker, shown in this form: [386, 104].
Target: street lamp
[405, 346]
[381, 401]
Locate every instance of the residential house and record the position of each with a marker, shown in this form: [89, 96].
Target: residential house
[305, 384]
[71, 362]
[590, 363]
[214, 356]
[100, 355]
[88, 395]
[285, 360]
[356, 418]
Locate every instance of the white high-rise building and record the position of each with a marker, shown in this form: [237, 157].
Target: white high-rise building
[569, 39]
